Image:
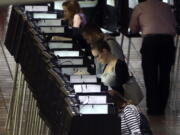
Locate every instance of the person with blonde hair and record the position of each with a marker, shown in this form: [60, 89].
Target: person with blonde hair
[92, 33]
[115, 72]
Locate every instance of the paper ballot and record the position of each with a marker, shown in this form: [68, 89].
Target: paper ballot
[52, 29]
[93, 99]
[67, 53]
[49, 22]
[87, 88]
[36, 8]
[83, 78]
[93, 109]
[44, 16]
[60, 45]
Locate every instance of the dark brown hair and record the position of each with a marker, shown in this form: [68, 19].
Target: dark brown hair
[93, 31]
[119, 100]
[99, 45]
[73, 7]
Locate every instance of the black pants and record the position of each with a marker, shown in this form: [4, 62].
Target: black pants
[158, 54]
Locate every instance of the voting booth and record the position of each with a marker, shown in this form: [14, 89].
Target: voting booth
[65, 94]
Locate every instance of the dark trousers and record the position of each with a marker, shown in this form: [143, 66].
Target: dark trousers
[158, 54]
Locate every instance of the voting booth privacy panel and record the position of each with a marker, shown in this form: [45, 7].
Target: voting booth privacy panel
[49, 71]
[90, 124]
[111, 15]
[114, 15]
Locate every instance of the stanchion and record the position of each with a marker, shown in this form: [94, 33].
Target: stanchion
[37, 124]
[27, 113]
[32, 117]
[128, 51]
[11, 110]
[17, 106]
[122, 40]
[24, 119]
[174, 78]
[22, 108]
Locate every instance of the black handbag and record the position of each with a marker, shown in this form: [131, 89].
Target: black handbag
[144, 125]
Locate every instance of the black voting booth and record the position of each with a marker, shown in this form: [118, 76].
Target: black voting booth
[79, 113]
[87, 7]
[111, 15]
[94, 123]
[12, 34]
[50, 87]
[130, 5]
[89, 124]
[114, 16]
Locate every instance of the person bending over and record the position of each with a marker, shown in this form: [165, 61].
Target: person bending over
[92, 33]
[115, 72]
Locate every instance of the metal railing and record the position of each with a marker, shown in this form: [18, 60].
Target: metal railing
[23, 115]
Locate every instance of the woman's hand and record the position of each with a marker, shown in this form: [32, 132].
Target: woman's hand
[113, 92]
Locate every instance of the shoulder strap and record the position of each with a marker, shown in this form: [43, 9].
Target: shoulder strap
[104, 67]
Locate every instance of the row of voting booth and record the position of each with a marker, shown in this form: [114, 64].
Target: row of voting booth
[50, 59]
[64, 102]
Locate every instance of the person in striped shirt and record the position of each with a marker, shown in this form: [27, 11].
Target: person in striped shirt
[129, 115]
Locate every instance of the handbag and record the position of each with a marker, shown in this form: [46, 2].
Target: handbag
[144, 125]
[132, 91]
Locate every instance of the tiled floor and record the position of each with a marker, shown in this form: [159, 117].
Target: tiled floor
[162, 125]
[6, 84]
